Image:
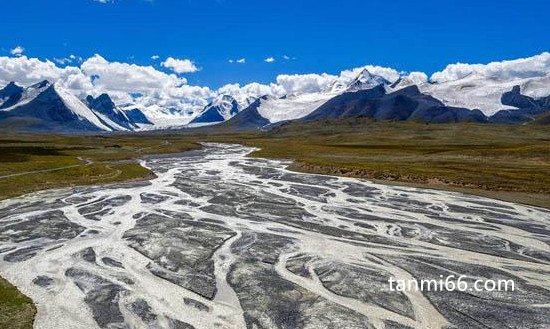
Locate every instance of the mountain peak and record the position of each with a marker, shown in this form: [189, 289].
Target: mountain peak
[41, 85]
[221, 108]
[366, 80]
[10, 95]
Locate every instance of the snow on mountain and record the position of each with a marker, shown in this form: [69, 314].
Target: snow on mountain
[29, 94]
[480, 92]
[366, 80]
[292, 107]
[45, 106]
[53, 109]
[227, 106]
[160, 117]
[336, 87]
[10, 95]
[108, 112]
[222, 108]
[80, 109]
[297, 106]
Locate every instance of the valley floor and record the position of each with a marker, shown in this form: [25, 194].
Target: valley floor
[506, 162]
[511, 163]
[221, 240]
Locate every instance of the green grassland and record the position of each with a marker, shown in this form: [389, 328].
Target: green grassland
[16, 310]
[36, 162]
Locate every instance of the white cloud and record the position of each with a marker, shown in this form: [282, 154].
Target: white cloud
[103, 1]
[155, 57]
[522, 68]
[269, 60]
[156, 88]
[128, 77]
[17, 51]
[305, 83]
[26, 71]
[238, 61]
[417, 77]
[253, 89]
[180, 65]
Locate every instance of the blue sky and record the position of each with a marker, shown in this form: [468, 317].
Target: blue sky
[317, 36]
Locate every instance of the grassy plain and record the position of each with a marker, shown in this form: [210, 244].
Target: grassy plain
[36, 162]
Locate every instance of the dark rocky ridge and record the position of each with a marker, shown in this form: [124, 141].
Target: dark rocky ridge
[404, 104]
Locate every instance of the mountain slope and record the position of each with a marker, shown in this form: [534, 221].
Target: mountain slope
[220, 109]
[528, 108]
[55, 109]
[109, 113]
[10, 95]
[249, 118]
[404, 104]
[483, 93]
[366, 80]
[137, 116]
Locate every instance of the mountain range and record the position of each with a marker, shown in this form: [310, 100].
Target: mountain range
[47, 106]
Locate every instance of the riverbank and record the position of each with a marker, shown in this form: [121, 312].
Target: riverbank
[510, 163]
[31, 163]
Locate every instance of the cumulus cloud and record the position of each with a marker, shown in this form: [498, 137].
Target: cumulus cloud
[26, 71]
[156, 88]
[253, 89]
[155, 57]
[269, 60]
[129, 78]
[417, 77]
[522, 68]
[17, 51]
[180, 65]
[305, 83]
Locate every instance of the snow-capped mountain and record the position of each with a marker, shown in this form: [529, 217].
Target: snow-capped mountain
[296, 106]
[404, 104]
[10, 95]
[526, 108]
[107, 111]
[249, 118]
[479, 92]
[222, 108]
[505, 92]
[50, 107]
[473, 98]
[366, 80]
